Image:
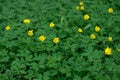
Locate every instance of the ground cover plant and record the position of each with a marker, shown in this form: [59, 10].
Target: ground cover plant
[60, 40]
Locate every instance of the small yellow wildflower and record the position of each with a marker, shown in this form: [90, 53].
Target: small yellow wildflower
[77, 7]
[110, 10]
[92, 36]
[97, 28]
[86, 17]
[7, 27]
[52, 24]
[26, 21]
[56, 40]
[81, 3]
[30, 32]
[42, 38]
[110, 39]
[80, 30]
[108, 51]
[82, 8]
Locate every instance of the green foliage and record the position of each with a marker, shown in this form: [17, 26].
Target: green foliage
[75, 57]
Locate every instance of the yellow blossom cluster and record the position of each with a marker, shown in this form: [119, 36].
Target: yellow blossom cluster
[108, 50]
[31, 33]
[80, 6]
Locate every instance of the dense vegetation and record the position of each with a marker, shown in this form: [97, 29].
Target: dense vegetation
[59, 40]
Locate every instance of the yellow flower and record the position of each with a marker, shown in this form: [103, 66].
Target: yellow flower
[110, 39]
[26, 21]
[80, 30]
[81, 3]
[110, 10]
[7, 27]
[56, 40]
[42, 38]
[108, 51]
[52, 24]
[92, 36]
[77, 7]
[86, 17]
[30, 32]
[82, 8]
[97, 28]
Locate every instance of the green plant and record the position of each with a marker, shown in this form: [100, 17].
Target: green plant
[59, 40]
